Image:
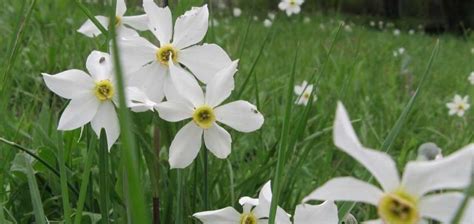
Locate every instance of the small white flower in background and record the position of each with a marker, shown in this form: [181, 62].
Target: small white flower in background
[255, 211]
[411, 32]
[255, 18]
[267, 23]
[92, 96]
[215, 22]
[271, 15]
[410, 199]
[322, 26]
[459, 105]
[372, 23]
[429, 151]
[396, 32]
[306, 19]
[205, 111]
[237, 12]
[291, 6]
[399, 52]
[122, 23]
[380, 24]
[348, 28]
[472, 50]
[303, 92]
[147, 66]
[390, 25]
[471, 78]
[325, 213]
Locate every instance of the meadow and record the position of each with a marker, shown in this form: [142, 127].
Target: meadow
[396, 104]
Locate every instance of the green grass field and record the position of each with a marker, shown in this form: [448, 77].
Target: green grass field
[359, 70]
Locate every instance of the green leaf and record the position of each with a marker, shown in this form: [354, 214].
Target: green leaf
[22, 163]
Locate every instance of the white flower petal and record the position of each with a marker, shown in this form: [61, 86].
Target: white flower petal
[135, 53]
[186, 85]
[174, 111]
[378, 163]
[346, 189]
[150, 79]
[222, 216]
[283, 5]
[89, 29]
[139, 22]
[220, 88]
[121, 8]
[441, 207]
[240, 115]
[185, 146]
[160, 21]
[204, 61]
[468, 215]
[191, 27]
[78, 113]
[218, 141]
[262, 210]
[70, 84]
[124, 32]
[99, 65]
[107, 119]
[325, 213]
[451, 172]
[248, 201]
[138, 101]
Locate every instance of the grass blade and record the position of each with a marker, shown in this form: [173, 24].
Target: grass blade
[39, 159]
[63, 182]
[22, 164]
[135, 191]
[85, 181]
[16, 39]
[283, 147]
[103, 177]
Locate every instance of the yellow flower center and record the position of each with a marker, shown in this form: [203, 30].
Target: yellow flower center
[118, 21]
[104, 90]
[292, 2]
[203, 116]
[461, 107]
[248, 218]
[399, 207]
[306, 95]
[163, 54]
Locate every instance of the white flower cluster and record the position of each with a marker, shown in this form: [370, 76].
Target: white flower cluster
[167, 78]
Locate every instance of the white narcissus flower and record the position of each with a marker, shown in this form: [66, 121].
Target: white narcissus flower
[291, 6]
[325, 213]
[267, 23]
[205, 112]
[306, 20]
[92, 96]
[471, 78]
[459, 105]
[147, 65]
[237, 12]
[271, 15]
[303, 92]
[255, 211]
[407, 200]
[121, 22]
[411, 31]
[396, 32]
